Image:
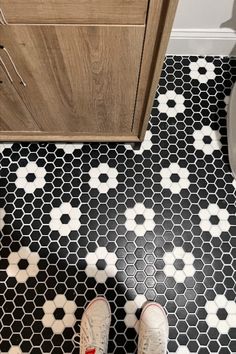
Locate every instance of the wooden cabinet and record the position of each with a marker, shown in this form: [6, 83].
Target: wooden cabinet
[14, 114]
[75, 76]
[92, 80]
[75, 11]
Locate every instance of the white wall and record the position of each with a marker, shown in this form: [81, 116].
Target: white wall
[203, 13]
[204, 27]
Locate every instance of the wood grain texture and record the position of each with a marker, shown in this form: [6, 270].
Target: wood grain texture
[159, 23]
[75, 11]
[80, 79]
[13, 113]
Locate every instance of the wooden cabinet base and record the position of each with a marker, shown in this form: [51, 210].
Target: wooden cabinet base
[93, 82]
[70, 137]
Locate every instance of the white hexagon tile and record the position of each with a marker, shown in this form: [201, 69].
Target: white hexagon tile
[155, 221]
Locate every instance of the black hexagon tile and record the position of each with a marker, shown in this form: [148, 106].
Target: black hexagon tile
[152, 222]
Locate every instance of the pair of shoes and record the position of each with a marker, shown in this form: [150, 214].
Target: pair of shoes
[95, 325]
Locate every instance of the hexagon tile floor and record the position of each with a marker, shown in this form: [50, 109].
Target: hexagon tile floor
[157, 222]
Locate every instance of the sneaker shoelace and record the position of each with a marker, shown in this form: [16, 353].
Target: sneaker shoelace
[152, 342]
[95, 335]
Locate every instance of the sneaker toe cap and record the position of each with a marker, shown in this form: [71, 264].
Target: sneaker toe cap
[99, 307]
[153, 316]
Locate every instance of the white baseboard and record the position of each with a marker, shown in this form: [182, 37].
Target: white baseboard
[220, 42]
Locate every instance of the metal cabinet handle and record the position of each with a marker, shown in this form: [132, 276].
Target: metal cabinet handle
[3, 20]
[13, 64]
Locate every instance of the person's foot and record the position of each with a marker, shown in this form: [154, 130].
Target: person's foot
[95, 325]
[153, 330]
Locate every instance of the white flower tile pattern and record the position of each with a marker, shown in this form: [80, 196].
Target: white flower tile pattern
[175, 178]
[139, 219]
[101, 264]
[171, 103]
[214, 220]
[65, 219]
[103, 178]
[221, 314]
[202, 70]
[207, 140]
[150, 222]
[23, 264]
[59, 314]
[30, 177]
[179, 264]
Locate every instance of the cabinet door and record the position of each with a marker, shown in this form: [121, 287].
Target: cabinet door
[79, 79]
[13, 112]
[75, 11]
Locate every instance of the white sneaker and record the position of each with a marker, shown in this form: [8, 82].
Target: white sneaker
[153, 330]
[95, 326]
